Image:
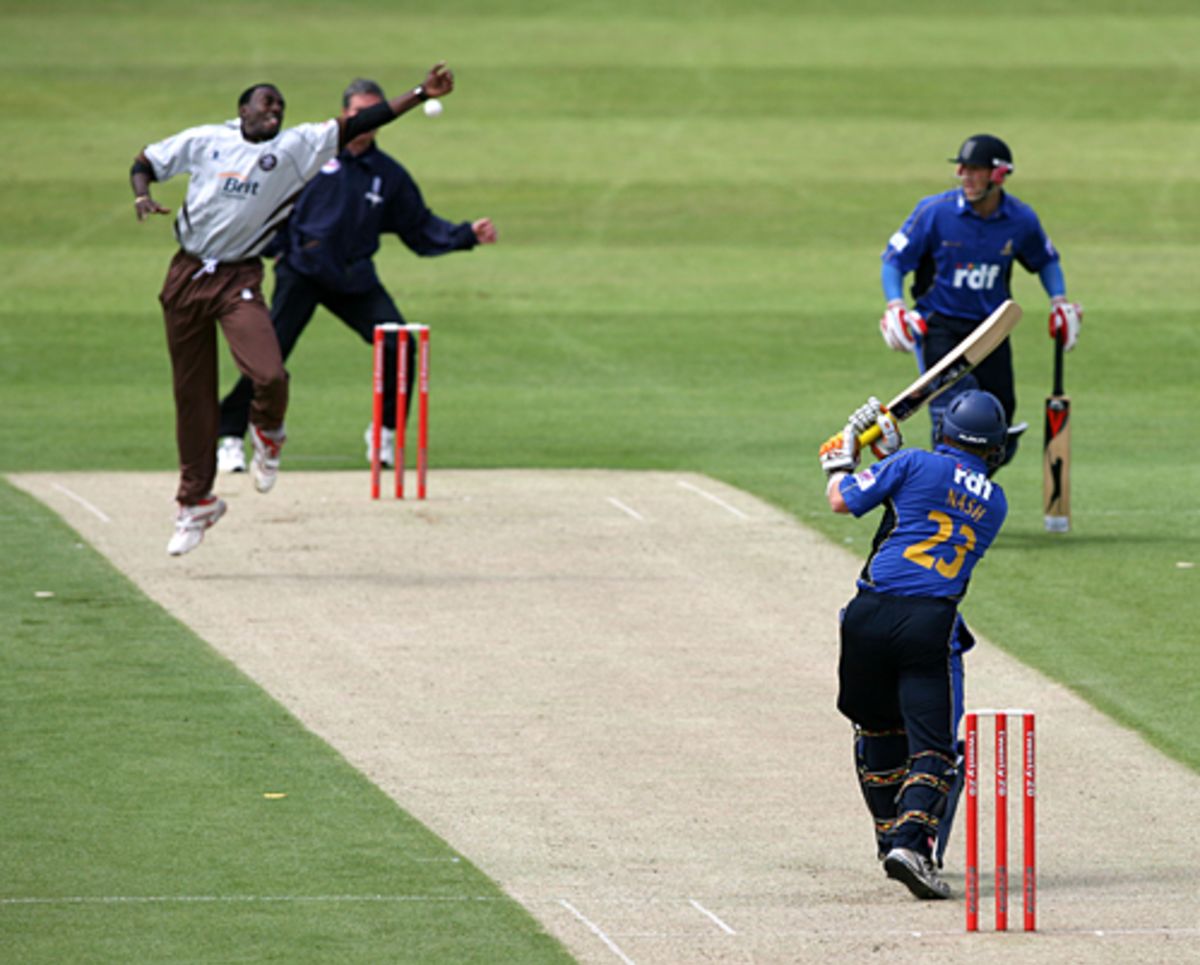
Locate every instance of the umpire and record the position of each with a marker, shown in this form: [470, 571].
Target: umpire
[895, 677]
[326, 259]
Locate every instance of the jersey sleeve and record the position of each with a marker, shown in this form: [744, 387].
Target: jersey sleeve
[905, 247]
[319, 143]
[1035, 251]
[867, 488]
[176, 154]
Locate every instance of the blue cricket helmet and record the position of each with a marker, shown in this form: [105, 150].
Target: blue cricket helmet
[975, 418]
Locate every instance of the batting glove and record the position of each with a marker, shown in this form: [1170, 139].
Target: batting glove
[1065, 320]
[865, 415]
[901, 326]
[891, 439]
[840, 453]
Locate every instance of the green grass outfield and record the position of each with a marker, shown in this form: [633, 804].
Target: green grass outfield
[691, 203]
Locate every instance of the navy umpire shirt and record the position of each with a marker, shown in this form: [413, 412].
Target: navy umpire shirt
[334, 230]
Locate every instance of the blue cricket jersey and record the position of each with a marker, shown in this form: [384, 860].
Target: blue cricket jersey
[941, 514]
[962, 262]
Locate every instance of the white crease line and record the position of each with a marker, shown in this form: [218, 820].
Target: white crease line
[713, 498]
[626, 509]
[99, 514]
[596, 931]
[704, 911]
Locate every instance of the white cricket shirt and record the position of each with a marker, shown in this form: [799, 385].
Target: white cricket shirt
[239, 191]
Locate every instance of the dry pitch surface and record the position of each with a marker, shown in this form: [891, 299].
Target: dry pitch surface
[614, 692]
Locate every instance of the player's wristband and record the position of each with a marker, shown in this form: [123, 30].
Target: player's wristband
[419, 93]
[141, 197]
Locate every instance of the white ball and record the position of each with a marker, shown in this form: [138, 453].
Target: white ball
[433, 107]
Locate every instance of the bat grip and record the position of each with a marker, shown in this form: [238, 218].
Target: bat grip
[866, 438]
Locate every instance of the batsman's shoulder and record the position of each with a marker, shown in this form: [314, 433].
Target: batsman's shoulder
[930, 208]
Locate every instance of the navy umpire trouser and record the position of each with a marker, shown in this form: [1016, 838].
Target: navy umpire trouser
[295, 299]
[894, 675]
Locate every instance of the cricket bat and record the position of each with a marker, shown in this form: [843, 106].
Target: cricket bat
[972, 350]
[1056, 452]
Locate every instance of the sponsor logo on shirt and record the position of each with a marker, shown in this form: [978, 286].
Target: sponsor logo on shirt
[865, 479]
[1007, 250]
[235, 185]
[899, 241]
[977, 277]
[976, 483]
[332, 166]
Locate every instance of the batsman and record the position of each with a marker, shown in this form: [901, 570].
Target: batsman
[899, 667]
[960, 246]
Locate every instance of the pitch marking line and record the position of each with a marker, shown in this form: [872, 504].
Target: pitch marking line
[99, 514]
[711, 497]
[595, 929]
[628, 510]
[717, 921]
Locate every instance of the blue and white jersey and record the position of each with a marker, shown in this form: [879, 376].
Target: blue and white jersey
[941, 514]
[963, 263]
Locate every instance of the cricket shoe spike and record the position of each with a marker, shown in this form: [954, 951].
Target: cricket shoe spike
[231, 455]
[265, 465]
[916, 872]
[191, 522]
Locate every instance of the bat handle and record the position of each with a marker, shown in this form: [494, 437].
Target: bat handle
[866, 438]
[1058, 363]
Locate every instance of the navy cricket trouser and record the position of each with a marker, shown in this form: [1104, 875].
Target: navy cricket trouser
[894, 675]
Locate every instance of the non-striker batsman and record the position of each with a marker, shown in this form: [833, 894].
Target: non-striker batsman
[960, 247]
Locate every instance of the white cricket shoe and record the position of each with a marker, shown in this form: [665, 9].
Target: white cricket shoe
[265, 465]
[231, 455]
[916, 872]
[387, 446]
[192, 521]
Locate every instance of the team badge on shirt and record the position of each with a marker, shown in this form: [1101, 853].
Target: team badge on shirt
[268, 161]
[332, 166]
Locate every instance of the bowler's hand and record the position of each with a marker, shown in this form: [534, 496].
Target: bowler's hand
[439, 81]
[146, 205]
[485, 231]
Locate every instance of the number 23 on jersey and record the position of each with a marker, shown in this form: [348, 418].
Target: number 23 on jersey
[926, 553]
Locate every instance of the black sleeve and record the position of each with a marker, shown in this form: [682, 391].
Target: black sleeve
[368, 119]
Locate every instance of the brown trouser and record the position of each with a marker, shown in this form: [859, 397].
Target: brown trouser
[231, 295]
